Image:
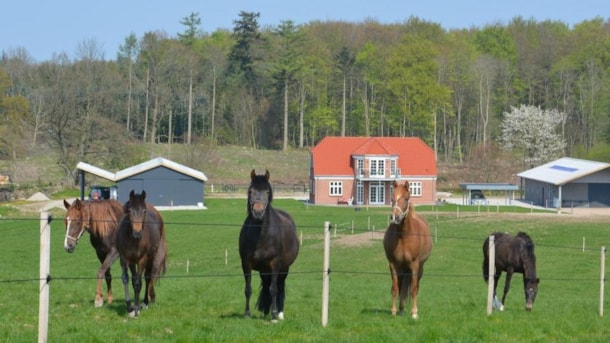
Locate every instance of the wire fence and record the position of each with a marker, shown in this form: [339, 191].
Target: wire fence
[311, 232]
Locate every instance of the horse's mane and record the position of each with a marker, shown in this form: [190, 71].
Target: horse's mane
[105, 216]
[529, 245]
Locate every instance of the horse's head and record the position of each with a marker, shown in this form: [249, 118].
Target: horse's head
[531, 290]
[400, 202]
[76, 222]
[135, 210]
[260, 194]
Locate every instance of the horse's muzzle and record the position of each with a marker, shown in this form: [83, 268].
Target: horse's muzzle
[70, 247]
[258, 210]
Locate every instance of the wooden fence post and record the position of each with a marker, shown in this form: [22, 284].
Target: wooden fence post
[325, 274]
[45, 277]
[602, 279]
[491, 270]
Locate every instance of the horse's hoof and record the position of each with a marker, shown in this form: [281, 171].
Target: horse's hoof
[414, 316]
[98, 303]
[132, 314]
[280, 316]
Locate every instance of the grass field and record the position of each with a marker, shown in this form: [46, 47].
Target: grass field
[205, 303]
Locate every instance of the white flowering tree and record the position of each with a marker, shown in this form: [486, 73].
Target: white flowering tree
[534, 133]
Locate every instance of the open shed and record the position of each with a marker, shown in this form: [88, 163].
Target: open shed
[507, 188]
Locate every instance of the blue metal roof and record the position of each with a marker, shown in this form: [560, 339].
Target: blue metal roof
[563, 170]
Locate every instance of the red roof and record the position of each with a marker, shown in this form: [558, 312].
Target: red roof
[333, 155]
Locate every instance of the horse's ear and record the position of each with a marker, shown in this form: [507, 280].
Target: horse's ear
[253, 174]
[77, 204]
[66, 205]
[143, 194]
[131, 195]
[395, 184]
[267, 174]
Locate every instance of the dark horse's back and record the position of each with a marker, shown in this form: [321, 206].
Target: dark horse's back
[509, 251]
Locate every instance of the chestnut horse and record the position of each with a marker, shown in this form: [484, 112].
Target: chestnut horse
[142, 248]
[407, 244]
[101, 219]
[513, 255]
[268, 243]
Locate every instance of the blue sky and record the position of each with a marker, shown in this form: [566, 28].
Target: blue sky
[46, 27]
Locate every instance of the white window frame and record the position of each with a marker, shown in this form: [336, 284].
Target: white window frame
[416, 188]
[377, 167]
[335, 188]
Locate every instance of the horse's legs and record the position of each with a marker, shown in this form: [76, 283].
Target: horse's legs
[248, 288]
[104, 272]
[416, 274]
[136, 281]
[125, 279]
[149, 290]
[395, 287]
[509, 275]
[496, 303]
[281, 294]
[273, 292]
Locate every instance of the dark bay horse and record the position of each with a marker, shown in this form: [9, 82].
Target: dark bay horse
[142, 248]
[268, 243]
[101, 219]
[407, 244]
[513, 255]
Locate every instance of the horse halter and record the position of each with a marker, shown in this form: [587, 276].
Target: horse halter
[83, 228]
[402, 215]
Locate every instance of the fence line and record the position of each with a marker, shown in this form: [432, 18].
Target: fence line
[45, 277]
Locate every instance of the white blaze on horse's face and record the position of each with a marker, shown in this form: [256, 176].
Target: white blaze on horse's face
[74, 230]
[531, 290]
[400, 204]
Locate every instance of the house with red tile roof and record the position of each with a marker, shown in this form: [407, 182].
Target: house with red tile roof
[361, 170]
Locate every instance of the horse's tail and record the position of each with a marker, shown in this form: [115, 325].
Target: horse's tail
[405, 290]
[160, 261]
[486, 260]
[263, 303]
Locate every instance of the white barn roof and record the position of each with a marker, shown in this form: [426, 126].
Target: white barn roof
[156, 162]
[563, 170]
[140, 168]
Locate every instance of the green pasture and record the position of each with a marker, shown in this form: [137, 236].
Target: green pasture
[200, 298]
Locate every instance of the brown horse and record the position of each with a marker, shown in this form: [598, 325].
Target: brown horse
[407, 245]
[513, 255]
[268, 243]
[101, 219]
[142, 248]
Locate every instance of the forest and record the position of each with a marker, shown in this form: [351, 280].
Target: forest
[287, 86]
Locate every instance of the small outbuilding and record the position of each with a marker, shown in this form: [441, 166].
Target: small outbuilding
[166, 183]
[506, 188]
[567, 182]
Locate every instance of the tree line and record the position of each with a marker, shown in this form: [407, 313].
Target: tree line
[288, 86]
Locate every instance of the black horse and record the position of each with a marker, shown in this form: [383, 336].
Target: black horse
[513, 255]
[268, 243]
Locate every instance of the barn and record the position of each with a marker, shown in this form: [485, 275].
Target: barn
[567, 182]
[166, 183]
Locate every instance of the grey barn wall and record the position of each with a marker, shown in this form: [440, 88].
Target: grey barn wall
[164, 187]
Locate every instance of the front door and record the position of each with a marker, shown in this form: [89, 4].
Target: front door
[376, 193]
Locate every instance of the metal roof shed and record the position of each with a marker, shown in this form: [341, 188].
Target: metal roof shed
[506, 187]
[568, 181]
[166, 183]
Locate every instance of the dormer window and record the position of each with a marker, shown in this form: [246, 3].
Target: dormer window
[377, 167]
